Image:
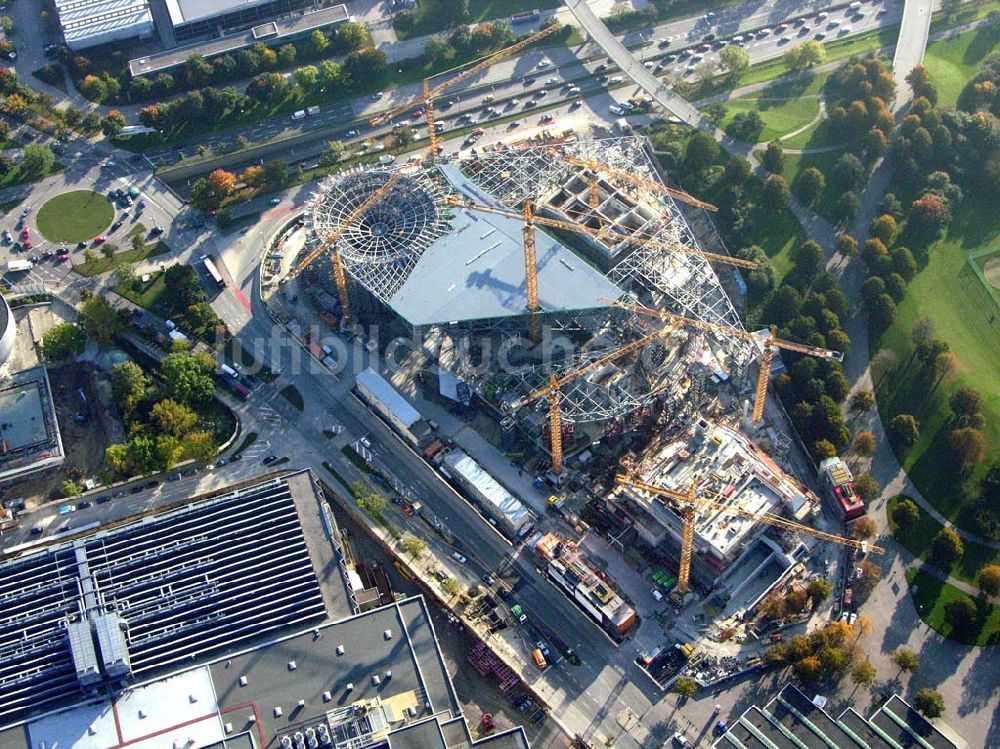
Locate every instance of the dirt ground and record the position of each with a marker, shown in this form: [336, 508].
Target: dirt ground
[477, 694]
[83, 443]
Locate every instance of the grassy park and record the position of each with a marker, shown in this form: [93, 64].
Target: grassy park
[75, 216]
[952, 62]
[930, 596]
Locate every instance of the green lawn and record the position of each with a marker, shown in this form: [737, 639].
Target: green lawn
[918, 540]
[966, 315]
[784, 107]
[930, 596]
[75, 216]
[952, 62]
[146, 295]
[102, 264]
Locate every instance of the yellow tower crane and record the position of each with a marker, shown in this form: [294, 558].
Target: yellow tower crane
[691, 502]
[430, 93]
[531, 273]
[643, 239]
[330, 241]
[551, 391]
[772, 343]
[635, 179]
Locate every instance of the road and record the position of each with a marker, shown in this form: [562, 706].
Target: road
[569, 64]
[915, 27]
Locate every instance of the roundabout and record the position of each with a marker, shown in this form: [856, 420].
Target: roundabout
[75, 216]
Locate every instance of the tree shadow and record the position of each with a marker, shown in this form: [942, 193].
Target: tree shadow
[985, 41]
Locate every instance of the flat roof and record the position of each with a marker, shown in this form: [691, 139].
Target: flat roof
[284, 27]
[189, 583]
[85, 19]
[485, 279]
[411, 654]
[29, 432]
[389, 396]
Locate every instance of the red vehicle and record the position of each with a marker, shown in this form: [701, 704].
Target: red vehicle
[27, 244]
[210, 213]
[25, 233]
[62, 257]
[100, 239]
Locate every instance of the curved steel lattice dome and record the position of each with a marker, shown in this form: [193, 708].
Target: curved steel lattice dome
[381, 247]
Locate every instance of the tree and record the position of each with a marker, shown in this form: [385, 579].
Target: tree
[746, 126]
[268, 88]
[863, 674]
[871, 573]
[905, 514]
[685, 687]
[774, 157]
[223, 183]
[286, 55]
[864, 528]
[735, 60]
[276, 173]
[307, 77]
[38, 159]
[988, 579]
[199, 445]
[365, 67]
[905, 430]
[963, 616]
[862, 400]
[966, 448]
[774, 195]
[885, 229]
[864, 443]
[372, 503]
[847, 206]
[848, 172]
[808, 669]
[173, 418]
[809, 185]
[63, 341]
[404, 135]
[929, 702]
[129, 385]
[946, 549]
[823, 449]
[701, 151]
[113, 122]
[188, 377]
[108, 250]
[252, 175]
[333, 153]
[966, 403]
[100, 320]
[808, 259]
[412, 545]
[868, 488]
[318, 43]
[804, 56]
[846, 245]
[905, 659]
[928, 215]
[818, 590]
[451, 586]
[920, 82]
[353, 36]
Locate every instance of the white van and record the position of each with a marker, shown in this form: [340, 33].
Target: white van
[226, 369]
[854, 6]
[299, 114]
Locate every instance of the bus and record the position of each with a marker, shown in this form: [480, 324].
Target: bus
[213, 272]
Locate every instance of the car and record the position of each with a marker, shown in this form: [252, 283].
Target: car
[221, 462]
[545, 63]
[27, 244]
[174, 477]
[615, 109]
[459, 558]
[780, 28]
[236, 458]
[615, 79]
[628, 105]
[708, 38]
[804, 30]
[269, 459]
[37, 530]
[819, 36]
[211, 213]
[26, 211]
[62, 257]
[684, 53]
[514, 124]
[663, 43]
[52, 50]
[528, 81]
[547, 119]
[691, 69]
[156, 231]
[141, 204]
[115, 226]
[551, 81]
[488, 579]
[102, 499]
[798, 22]
[669, 58]
[679, 739]
[518, 613]
[600, 68]
[100, 239]
[530, 103]
[574, 89]
[698, 58]
[763, 32]
[12, 55]
[377, 95]
[84, 504]
[7, 238]
[151, 484]
[274, 201]
[25, 233]
[50, 254]
[575, 105]
[352, 133]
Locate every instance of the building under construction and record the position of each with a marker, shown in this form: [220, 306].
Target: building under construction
[452, 252]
